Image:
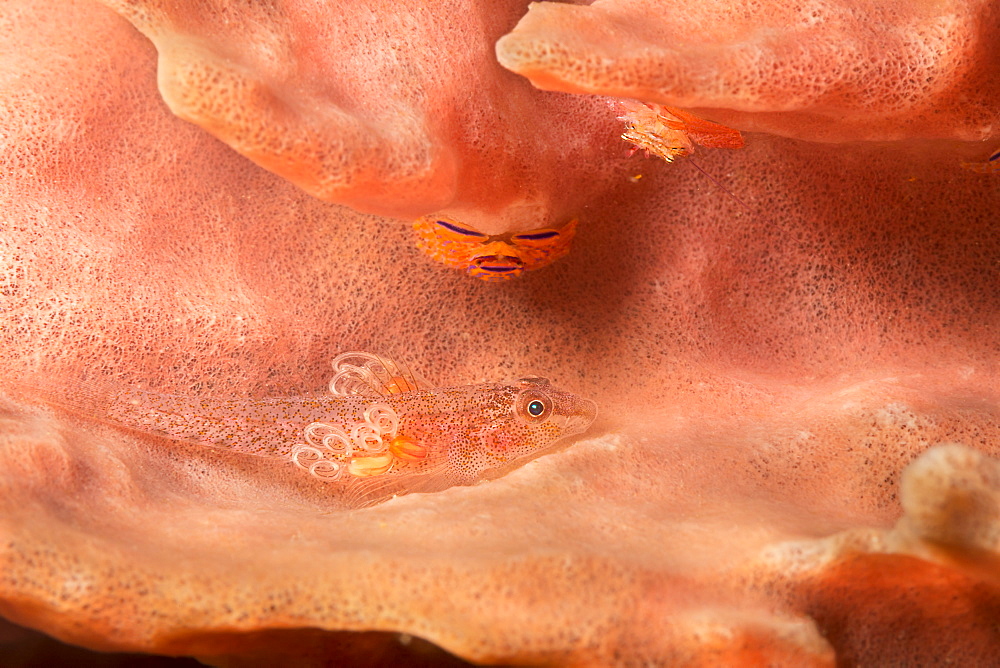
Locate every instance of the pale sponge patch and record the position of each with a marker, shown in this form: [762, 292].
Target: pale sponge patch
[935, 574]
[823, 70]
[951, 500]
[950, 497]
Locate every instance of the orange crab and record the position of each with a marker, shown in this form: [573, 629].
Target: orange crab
[491, 257]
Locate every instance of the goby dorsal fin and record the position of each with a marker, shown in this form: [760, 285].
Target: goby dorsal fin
[361, 374]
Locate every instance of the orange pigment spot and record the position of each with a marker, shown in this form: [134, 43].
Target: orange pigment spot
[370, 466]
[407, 449]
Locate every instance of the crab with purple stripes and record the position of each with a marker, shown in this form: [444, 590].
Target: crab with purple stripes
[491, 257]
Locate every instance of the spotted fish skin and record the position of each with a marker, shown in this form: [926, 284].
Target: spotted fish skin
[382, 432]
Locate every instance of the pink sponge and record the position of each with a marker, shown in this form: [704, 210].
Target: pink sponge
[769, 382]
[826, 70]
[397, 108]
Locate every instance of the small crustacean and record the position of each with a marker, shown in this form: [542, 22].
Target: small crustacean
[672, 133]
[991, 165]
[491, 257]
[382, 432]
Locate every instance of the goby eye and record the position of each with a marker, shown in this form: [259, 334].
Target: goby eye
[533, 406]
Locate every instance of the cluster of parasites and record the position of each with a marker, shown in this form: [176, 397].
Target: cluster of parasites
[368, 448]
[362, 449]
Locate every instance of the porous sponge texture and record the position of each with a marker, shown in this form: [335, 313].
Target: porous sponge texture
[823, 70]
[394, 108]
[761, 378]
